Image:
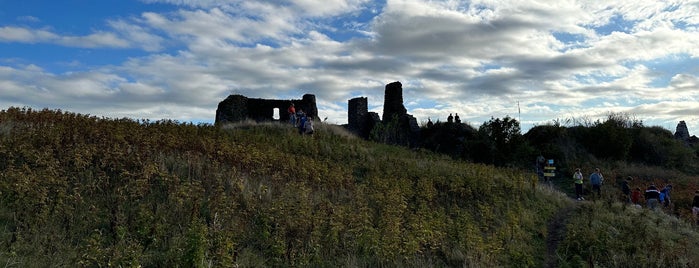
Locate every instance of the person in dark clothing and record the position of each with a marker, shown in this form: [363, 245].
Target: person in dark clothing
[450, 119]
[626, 189]
[652, 196]
[302, 123]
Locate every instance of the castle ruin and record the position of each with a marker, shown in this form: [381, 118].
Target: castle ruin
[359, 119]
[405, 129]
[399, 127]
[237, 108]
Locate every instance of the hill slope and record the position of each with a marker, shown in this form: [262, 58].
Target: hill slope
[77, 190]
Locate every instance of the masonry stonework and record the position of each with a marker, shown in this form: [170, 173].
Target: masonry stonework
[359, 119]
[237, 108]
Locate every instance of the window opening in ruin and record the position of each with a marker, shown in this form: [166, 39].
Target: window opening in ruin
[276, 114]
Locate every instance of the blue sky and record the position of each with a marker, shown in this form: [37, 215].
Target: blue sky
[537, 61]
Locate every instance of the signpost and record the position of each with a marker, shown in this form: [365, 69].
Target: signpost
[549, 171]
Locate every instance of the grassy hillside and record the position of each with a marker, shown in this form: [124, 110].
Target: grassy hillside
[84, 191]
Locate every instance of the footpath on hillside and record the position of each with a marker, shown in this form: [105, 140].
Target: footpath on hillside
[556, 229]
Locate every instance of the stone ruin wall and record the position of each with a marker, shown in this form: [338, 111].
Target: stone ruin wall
[237, 108]
[393, 102]
[681, 131]
[361, 121]
[682, 134]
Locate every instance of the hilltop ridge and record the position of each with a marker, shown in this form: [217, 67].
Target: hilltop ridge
[77, 190]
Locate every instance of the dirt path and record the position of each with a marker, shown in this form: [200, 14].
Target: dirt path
[556, 234]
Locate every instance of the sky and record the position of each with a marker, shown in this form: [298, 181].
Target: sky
[535, 61]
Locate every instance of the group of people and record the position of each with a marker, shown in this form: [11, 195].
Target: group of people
[596, 180]
[300, 120]
[452, 119]
[654, 197]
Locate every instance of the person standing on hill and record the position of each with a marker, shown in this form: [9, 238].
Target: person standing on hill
[695, 206]
[292, 114]
[309, 125]
[450, 118]
[578, 180]
[626, 189]
[302, 123]
[636, 196]
[666, 194]
[652, 196]
[596, 180]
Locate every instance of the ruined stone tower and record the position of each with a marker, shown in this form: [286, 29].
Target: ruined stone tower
[398, 126]
[359, 119]
[681, 132]
[393, 101]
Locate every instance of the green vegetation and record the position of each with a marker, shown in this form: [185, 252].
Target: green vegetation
[82, 191]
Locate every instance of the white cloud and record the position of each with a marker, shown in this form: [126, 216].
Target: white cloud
[19, 34]
[477, 58]
[95, 40]
[138, 35]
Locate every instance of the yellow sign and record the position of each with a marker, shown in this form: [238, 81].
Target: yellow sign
[549, 168]
[549, 174]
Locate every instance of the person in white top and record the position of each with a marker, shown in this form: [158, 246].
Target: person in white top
[309, 126]
[578, 180]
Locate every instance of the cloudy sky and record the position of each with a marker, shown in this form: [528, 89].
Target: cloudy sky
[536, 61]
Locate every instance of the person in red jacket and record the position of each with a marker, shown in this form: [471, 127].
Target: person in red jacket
[636, 196]
[292, 114]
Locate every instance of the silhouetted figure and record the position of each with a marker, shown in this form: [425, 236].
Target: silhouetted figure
[450, 119]
[429, 122]
[457, 119]
[540, 162]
